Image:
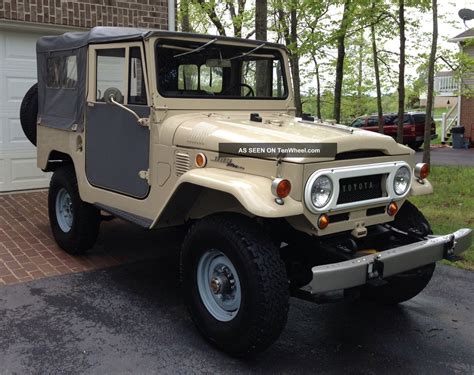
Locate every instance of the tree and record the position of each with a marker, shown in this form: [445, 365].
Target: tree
[290, 33]
[261, 34]
[401, 70]
[341, 53]
[430, 94]
[378, 87]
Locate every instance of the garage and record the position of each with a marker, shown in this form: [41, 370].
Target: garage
[18, 169]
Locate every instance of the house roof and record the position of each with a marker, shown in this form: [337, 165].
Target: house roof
[468, 34]
[74, 40]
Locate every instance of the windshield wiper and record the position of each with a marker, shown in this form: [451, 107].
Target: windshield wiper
[200, 48]
[248, 53]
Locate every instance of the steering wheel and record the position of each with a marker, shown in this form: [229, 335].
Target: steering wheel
[250, 93]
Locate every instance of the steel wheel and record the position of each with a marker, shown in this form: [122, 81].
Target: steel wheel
[64, 212]
[219, 285]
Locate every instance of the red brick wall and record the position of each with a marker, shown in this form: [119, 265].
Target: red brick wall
[467, 117]
[88, 13]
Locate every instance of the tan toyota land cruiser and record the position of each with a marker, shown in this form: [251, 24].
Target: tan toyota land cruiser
[141, 124]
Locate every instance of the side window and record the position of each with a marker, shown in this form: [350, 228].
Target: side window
[110, 71]
[61, 72]
[188, 77]
[136, 89]
[357, 123]
[372, 121]
[54, 72]
[71, 72]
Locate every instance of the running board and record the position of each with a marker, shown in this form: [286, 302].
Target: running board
[134, 219]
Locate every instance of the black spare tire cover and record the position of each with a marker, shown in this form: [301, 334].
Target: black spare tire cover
[29, 113]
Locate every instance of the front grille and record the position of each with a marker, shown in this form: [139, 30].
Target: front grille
[354, 189]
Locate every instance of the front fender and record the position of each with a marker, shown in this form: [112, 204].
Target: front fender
[252, 192]
[418, 188]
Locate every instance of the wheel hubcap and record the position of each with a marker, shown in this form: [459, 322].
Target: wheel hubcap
[218, 285]
[64, 211]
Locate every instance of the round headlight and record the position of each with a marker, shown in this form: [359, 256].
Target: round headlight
[321, 191]
[401, 182]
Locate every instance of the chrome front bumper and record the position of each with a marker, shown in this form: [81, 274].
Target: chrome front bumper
[359, 271]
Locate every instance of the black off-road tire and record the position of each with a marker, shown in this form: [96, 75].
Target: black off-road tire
[29, 113]
[85, 217]
[264, 285]
[415, 145]
[405, 286]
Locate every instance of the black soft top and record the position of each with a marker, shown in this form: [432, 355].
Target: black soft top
[74, 40]
[61, 105]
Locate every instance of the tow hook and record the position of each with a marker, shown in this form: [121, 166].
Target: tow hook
[449, 248]
[375, 272]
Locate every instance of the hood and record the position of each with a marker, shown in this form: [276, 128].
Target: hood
[206, 131]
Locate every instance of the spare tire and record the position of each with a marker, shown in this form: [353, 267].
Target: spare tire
[29, 113]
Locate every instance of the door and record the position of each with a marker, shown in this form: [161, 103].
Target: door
[117, 147]
[18, 170]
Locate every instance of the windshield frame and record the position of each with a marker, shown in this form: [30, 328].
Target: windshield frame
[278, 52]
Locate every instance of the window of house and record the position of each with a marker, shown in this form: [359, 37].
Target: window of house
[110, 72]
[136, 90]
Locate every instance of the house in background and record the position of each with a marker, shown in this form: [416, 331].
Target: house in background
[462, 113]
[446, 88]
[22, 22]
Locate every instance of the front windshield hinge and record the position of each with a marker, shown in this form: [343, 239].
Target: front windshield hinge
[160, 112]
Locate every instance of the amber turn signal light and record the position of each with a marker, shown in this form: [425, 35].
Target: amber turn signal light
[392, 209]
[281, 188]
[200, 160]
[323, 221]
[422, 170]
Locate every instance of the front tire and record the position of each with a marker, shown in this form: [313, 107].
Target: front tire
[235, 284]
[74, 223]
[404, 286]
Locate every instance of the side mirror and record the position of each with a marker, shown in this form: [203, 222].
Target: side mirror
[113, 94]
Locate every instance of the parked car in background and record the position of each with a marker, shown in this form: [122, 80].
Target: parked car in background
[413, 127]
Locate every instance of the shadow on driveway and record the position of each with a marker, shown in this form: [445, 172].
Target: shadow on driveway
[130, 319]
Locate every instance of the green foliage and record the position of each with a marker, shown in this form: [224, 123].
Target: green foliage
[451, 206]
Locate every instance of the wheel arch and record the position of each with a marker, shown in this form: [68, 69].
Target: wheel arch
[202, 192]
[57, 159]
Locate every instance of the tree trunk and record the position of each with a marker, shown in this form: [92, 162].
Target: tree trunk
[375, 54]
[184, 16]
[401, 76]
[360, 110]
[262, 67]
[430, 94]
[295, 60]
[341, 54]
[318, 88]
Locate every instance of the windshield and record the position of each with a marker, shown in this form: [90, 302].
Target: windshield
[213, 70]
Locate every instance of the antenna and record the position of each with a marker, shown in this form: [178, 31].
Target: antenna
[466, 15]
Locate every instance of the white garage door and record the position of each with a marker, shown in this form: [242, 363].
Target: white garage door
[18, 169]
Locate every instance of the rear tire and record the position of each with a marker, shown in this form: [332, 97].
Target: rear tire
[29, 113]
[415, 145]
[74, 223]
[404, 286]
[235, 284]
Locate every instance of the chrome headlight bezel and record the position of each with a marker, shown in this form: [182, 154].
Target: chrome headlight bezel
[329, 195]
[403, 172]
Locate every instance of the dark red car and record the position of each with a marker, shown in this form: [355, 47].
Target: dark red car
[413, 127]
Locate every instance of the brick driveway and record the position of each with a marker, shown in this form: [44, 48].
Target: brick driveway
[28, 251]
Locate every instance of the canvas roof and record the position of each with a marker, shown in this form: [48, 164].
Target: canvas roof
[74, 40]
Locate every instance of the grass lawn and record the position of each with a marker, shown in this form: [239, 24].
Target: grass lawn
[451, 206]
